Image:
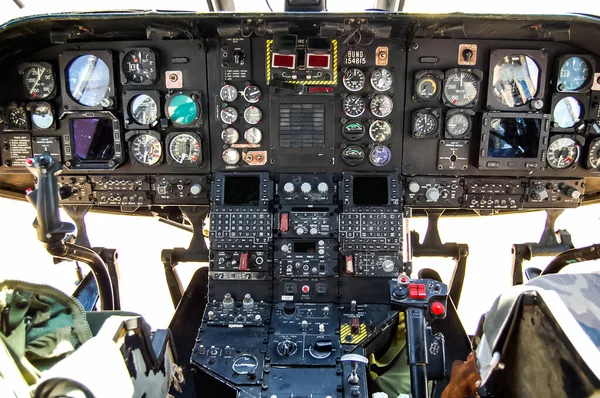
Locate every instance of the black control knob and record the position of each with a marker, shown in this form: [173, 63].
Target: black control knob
[289, 308]
[287, 348]
[572, 193]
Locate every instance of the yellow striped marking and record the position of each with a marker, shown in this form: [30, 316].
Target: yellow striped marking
[345, 330]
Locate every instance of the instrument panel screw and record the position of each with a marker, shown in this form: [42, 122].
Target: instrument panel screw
[415, 46]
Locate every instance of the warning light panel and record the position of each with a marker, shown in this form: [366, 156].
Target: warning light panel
[318, 61]
[287, 61]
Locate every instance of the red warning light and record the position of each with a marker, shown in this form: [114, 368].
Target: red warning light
[287, 61]
[318, 61]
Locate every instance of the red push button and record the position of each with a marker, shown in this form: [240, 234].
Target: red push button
[244, 261]
[437, 309]
[284, 222]
[305, 289]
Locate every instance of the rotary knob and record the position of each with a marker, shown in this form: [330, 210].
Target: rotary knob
[432, 194]
[287, 348]
[195, 189]
[573, 193]
[228, 302]
[388, 265]
[305, 188]
[289, 308]
[300, 231]
[323, 187]
[288, 187]
[414, 187]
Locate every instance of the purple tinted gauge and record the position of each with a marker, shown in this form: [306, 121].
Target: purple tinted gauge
[380, 155]
[93, 138]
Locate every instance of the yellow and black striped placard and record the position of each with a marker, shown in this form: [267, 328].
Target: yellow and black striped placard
[346, 331]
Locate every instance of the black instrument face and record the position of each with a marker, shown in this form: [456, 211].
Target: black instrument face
[17, 117]
[461, 88]
[139, 66]
[425, 124]
[573, 74]
[427, 88]
[39, 81]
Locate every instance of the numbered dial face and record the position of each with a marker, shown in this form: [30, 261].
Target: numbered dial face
[574, 73]
[381, 105]
[353, 131]
[229, 115]
[252, 115]
[253, 135]
[228, 93]
[353, 155]
[42, 116]
[139, 66]
[458, 125]
[231, 156]
[380, 131]
[252, 94]
[354, 105]
[382, 79]
[425, 124]
[39, 82]
[427, 88]
[230, 136]
[143, 109]
[380, 155]
[567, 112]
[461, 88]
[184, 149]
[354, 79]
[563, 153]
[17, 117]
[146, 149]
[594, 154]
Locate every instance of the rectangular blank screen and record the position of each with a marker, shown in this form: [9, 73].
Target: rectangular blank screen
[370, 191]
[93, 138]
[514, 138]
[242, 191]
[305, 247]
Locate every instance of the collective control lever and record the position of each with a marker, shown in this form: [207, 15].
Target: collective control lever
[354, 360]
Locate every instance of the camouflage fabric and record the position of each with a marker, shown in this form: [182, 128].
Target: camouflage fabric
[581, 295]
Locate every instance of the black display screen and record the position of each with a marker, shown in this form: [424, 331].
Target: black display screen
[93, 138]
[370, 191]
[305, 247]
[514, 138]
[242, 191]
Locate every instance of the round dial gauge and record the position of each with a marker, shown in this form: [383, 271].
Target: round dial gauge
[231, 156]
[245, 364]
[139, 66]
[230, 136]
[39, 81]
[594, 154]
[381, 105]
[88, 80]
[353, 155]
[354, 79]
[380, 131]
[41, 115]
[252, 115]
[574, 73]
[143, 109]
[17, 117]
[567, 112]
[382, 79]
[427, 88]
[424, 124]
[146, 149]
[229, 115]
[353, 131]
[252, 94]
[563, 153]
[354, 105]
[458, 125]
[515, 80]
[380, 155]
[185, 149]
[253, 135]
[461, 88]
[228, 93]
[182, 109]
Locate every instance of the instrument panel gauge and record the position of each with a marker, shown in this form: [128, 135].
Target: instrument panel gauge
[427, 88]
[353, 131]
[252, 115]
[380, 131]
[593, 162]
[380, 155]
[353, 155]
[42, 117]
[566, 113]
[424, 124]
[139, 66]
[458, 124]
[143, 110]
[146, 149]
[253, 135]
[515, 80]
[252, 94]
[245, 364]
[182, 109]
[381, 105]
[354, 79]
[185, 149]
[382, 79]
[354, 105]
[39, 81]
[228, 93]
[17, 117]
[461, 88]
[563, 152]
[574, 73]
[230, 136]
[229, 115]
[88, 80]
[231, 156]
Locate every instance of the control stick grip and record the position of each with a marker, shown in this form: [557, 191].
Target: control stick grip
[417, 351]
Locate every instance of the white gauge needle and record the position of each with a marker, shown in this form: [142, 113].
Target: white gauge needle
[41, 71]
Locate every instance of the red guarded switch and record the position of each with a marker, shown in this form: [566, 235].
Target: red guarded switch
[284, 222]
[437, 308]
[244, 261]
[349, 264]
[417, 291]
[354, 326]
